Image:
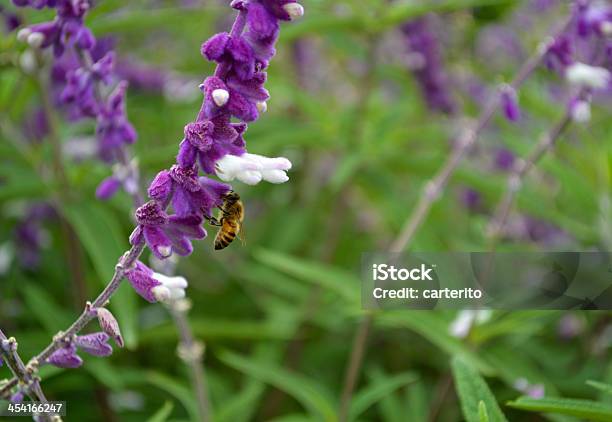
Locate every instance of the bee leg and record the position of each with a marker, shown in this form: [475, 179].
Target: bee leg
[214, 222]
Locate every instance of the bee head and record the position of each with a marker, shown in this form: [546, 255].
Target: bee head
[232, 196]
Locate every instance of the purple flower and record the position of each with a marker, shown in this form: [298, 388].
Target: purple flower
[17, 397]
[560, 53]
[165, 234]
[429, 73]
[36, 126]
[504, 159]
[509, 103]
[107, 188]
[189, 194]
[471, 199]
[153, 286]
[11, 20]
[95, 344]
[65, 357]
[210, 140]
[593, 18]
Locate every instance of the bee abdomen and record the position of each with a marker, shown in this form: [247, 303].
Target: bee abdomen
[224, 238]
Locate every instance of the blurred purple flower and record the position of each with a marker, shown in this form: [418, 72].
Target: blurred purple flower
[509, 103]
[140, 76]
[429, 72]
[471, 199]
[535, 391]
[29, 236]
[17, 397]
[504, 159]
[114, 131]
[11, 20]
[36, 126]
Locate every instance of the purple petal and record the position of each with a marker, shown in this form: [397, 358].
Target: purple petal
[95, 344]
[157, 241]
[161, 186]
[65, 357]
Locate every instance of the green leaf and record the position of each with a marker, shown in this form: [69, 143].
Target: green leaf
[176, 389]
[376, 391]
[586, 409]
[472, 390]
[331, 278]
[434, 328]
[483, 416]
[101, 236]
[162, 414]
[304, 390]
[606, 388]
[41, 304]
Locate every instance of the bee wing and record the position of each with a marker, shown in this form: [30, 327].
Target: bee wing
[241, 235]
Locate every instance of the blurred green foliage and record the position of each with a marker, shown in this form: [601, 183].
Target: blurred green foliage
[278, 314]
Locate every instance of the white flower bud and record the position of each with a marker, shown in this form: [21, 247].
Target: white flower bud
[220, 97]
[23, 34]
[262, 106]
[581, 111]
[35, 39]
[27, 61]
[606, 28]
[294, 10]
[587, 76]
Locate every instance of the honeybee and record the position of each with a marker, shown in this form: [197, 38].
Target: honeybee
[231, 215]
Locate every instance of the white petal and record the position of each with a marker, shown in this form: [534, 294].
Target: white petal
[164, 251]
[462, 324]
[275, 176]
[587, 76]
[294, 10]
[161, 293]
[35, 39]
[220, 97]
[23, 34]
[249, 177]
[230, 165]
[176, 294]
[262, 106]
[581, 112]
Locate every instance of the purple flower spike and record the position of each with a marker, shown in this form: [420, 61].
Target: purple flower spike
[429, 71]
[65, 357]
[114, 130]
[509, 102]
[95, 344]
